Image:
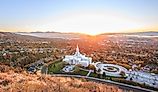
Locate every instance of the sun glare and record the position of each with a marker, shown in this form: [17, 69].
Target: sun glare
[94, 23]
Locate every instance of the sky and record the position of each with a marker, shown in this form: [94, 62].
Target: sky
[81, 16]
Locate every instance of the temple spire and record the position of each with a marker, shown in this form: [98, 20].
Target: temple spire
[77, 51]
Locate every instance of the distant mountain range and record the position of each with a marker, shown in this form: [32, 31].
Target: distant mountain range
[54, 35]
[151, 33]
[146, 33]
[51, 36]
[78, 35]
[18, 37]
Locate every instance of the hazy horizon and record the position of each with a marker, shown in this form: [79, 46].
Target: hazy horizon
[82, 16]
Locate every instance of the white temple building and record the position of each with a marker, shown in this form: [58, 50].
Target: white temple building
[78, 58]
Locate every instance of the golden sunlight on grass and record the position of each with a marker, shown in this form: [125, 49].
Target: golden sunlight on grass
[24, 82]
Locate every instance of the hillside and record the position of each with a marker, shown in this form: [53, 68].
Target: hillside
[150, 33]
[15, 37]
[54, 35]
[57, 36]
[13, 81]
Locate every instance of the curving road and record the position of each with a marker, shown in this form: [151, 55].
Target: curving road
[121, 85]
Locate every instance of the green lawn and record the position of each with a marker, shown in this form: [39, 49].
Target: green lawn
[56, 67]
[93, 75]
[104, 77]
[77, 71]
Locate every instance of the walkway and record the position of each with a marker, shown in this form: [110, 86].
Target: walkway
[89, 73]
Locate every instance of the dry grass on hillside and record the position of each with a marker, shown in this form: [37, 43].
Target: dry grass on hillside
[24, 82]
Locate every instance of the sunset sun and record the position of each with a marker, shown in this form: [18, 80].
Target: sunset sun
[93, 23]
